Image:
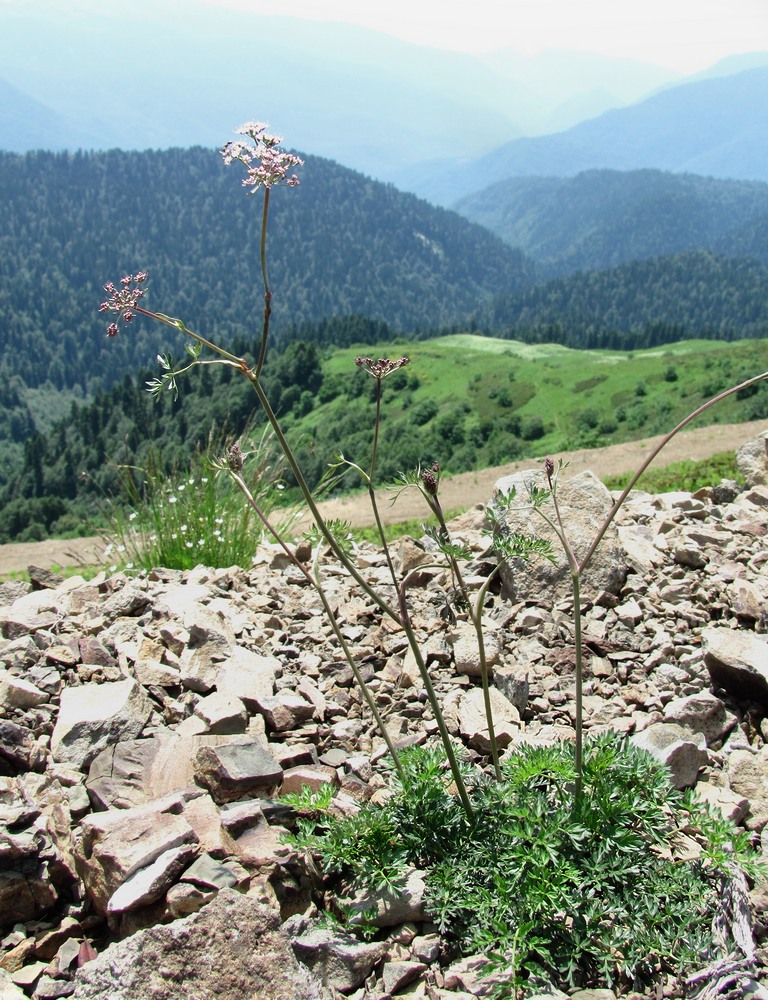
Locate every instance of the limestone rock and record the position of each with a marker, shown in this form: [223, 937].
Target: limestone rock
[737, 661]
[752, 460]
[237, 769]
[118, 843]
[748, 776]
[395, 907]
[340, 962]
[701, 713]
[473, 723]
[680, 750]
[149, 884]
[231, 949]
[584, 502]
[93, 716]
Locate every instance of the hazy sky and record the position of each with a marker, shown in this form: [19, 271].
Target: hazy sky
[685, 35]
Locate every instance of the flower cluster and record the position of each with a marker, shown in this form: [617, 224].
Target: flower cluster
[381, 368]
[266, 164]
[430, 479]
[123, 300]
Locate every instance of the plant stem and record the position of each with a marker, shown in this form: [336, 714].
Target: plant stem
[267, 289]
[314, 580]
[476, 617]
[431, 695]
[477, 621]
[372, 491]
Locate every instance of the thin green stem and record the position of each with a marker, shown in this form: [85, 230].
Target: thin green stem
[267, 289]
[477, 620]
[372, 491]
[310, 500]
[432, 696]
[476, 617]
[177, 324]
[579, 720]
[314, 580]
[575, 571]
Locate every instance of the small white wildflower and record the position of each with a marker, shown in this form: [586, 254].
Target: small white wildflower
[153, 538]
[183, 528]
[132, 516]
[204, 479]
[172, 499]
[189, 544]
[108, 550]
[219, 520]
[174, 536]
[113, 568]
[181, 487]
[201, 541]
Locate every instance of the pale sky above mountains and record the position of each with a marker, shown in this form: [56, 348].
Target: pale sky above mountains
[683, 35]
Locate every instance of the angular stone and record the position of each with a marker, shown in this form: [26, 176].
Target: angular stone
[584, 503]
[737, 661]
[752, 460]
[396, 975]
[474, 725]
[206, 873]
[150, 883]
[747, 600]
[93, 716]
[16, 692]
[285, 711]
[340, 962]
[222, 714]
[184, 898]
[748, 776]
[701, 713]
[394, 907]
[237, 769]
[116, 844]
[681, 751]
[231, 949]
[247, 675]
[314, 776]
[466, 653]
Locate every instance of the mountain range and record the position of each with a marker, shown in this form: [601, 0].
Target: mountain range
[602, 218]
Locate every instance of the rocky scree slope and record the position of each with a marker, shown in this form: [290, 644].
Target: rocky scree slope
[148, 727]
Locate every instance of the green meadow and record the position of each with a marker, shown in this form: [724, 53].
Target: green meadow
[469, 401]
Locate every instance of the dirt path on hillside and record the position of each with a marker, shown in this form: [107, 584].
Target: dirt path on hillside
[456, 493]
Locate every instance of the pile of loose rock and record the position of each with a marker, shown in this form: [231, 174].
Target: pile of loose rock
[148, 728]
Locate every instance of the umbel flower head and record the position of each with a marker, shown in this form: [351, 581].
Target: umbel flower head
[123, 300]
[381, 368]
[266, 164]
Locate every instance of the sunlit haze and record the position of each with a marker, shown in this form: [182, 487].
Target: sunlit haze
[684, 35]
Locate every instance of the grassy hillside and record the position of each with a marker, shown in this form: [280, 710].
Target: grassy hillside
[465, 401]
[469, 401]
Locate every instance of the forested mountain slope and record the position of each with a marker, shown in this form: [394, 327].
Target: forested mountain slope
[339, 244]
[641, 304]
[602, 218]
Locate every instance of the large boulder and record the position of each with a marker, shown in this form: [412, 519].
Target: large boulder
[752, 460]
[232, 948]
[737, 661]
[584, 504]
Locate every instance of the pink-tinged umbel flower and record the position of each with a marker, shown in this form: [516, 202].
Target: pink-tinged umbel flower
[123, 300]
[381, 368]
[266, 164]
